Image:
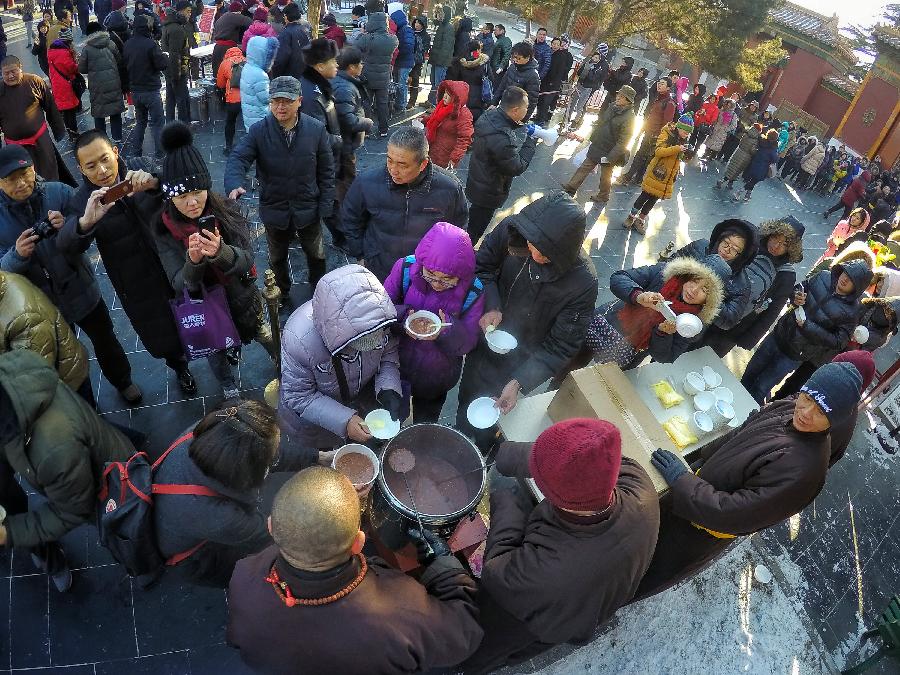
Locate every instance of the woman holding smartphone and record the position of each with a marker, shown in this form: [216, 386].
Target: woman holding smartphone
[203, 240]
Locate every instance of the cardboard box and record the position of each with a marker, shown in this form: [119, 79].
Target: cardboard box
[603, 392]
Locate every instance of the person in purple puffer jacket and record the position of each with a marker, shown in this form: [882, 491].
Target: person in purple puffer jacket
[440, 278]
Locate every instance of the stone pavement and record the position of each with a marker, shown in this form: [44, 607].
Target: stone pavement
[835, 564]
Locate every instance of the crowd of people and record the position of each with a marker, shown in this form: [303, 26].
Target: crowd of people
[180, 256]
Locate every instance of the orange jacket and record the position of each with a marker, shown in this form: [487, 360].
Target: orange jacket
[223, 77]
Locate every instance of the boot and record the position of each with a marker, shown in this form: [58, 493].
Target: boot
[629, 221]
[639, 225]
[577, 179]
[316, 270]
[186, 381]
[737, 195]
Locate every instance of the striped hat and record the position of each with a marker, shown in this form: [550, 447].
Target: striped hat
[603, 48]
[685, 123]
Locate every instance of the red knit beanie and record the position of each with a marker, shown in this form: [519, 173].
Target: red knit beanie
[863, 361]
[575, 463]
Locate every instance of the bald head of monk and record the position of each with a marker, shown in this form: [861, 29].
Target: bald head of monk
[315, 520]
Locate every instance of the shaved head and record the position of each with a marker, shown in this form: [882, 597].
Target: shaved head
[315, 519]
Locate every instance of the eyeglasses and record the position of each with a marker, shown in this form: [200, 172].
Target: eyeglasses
[437, 281]
[730, 247]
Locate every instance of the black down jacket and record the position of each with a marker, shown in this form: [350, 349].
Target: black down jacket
[830, 318]
[296, 181]
[737, 289]
[289, 57]
[525, 77]
[377, 46]
[500, 153]
[348, 100]
[318, 103]
[101, 62]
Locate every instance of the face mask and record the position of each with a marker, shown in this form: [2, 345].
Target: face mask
[368, 342]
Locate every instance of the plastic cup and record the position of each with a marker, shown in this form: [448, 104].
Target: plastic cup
[362, 489]
[381, 425]
[701, 422]
[688, 325]
[711, 377]
[704, 401]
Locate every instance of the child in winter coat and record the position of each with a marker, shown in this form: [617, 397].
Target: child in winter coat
[439, 277]
[229, 79]
[255, 79]
[449, 128]
[662, 171]
[63, 71]
[260, 27]
[857, 221]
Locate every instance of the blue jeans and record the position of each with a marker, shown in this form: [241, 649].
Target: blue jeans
[402, 87]
[768, 367]
[147, 105]
[438, 73]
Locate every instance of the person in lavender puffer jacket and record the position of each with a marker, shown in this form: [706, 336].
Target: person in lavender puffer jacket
[440, 278]
[346, 326]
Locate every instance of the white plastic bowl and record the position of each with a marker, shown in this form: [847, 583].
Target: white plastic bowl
[701, 422]
[483, 413]
[861, 334]
[500, 341]
[424, 314]
[711, 377]
[362, 489]
[688, 325]
[724, 394]
[381, 425]
[693, 383]
[704, 401]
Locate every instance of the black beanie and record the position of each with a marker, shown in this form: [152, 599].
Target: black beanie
[183, 168]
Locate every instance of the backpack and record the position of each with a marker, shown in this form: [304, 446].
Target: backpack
[236, 70]
[761, 275]
[125, 512]
[475, 290]
[487, 87]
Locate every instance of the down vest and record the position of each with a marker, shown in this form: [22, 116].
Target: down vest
[255, 80]
[377, 46]
[28, 320]
[830, 318]
[346, 304]
[101, 62]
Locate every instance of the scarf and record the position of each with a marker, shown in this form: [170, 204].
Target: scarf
[727, 115]
[441, 112]
[182, 231]
[637, 322]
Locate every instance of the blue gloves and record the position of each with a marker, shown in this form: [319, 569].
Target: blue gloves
[529, 128]
[392, 402]
[668, 464]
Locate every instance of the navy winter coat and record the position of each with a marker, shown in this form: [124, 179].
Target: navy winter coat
[765, 155]
[406, 36]
[289, 58]
[542, 54]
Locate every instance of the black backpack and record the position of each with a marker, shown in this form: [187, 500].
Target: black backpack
[236, 70]
[125, 512]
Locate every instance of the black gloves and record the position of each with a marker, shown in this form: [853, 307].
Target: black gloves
[668, 464]
[429, 546]
[392, 402]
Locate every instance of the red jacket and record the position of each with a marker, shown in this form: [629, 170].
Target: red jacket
[223, 77]
[337, 34]
[857, 189]
[454, 135]
[708, 113]
[63, 70]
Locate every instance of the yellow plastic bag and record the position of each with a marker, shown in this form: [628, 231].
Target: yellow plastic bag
[680, 432]
[666, 394]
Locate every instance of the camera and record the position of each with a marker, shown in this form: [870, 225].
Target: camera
[44, 229]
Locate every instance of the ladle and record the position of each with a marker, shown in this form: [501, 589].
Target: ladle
[400, 468]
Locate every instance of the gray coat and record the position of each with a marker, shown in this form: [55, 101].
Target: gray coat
[743, 154]
[100, 61]
[347, 303]
[377, 46]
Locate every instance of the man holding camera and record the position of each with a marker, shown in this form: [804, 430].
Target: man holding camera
[32, 211]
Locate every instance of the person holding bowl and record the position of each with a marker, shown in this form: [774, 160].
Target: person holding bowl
[439, 278]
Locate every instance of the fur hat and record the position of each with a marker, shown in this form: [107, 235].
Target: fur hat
[319, 50]
[576, 463]
[183, 167]
[792, 230]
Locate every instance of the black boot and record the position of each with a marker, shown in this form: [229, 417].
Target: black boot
[186, 381]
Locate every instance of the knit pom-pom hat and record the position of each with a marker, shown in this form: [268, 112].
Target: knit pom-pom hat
[183, 167]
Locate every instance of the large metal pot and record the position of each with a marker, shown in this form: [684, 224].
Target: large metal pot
[199, 105]
[444, 486]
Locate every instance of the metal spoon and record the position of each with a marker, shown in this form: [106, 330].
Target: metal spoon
[486, 467]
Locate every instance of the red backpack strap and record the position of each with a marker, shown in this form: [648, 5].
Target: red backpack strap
[176, 489]
[175, 444]
[178, 557]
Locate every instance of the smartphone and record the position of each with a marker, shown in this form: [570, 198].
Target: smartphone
[207, 223]
[116, 192]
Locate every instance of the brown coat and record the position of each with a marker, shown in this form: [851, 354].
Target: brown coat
[555, 579]
[749, 479]
[390, 623]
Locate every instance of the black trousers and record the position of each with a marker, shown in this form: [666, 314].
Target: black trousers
[427, 410]
[644, 203]
[837, 207]
[177, 94]
[479, 219]
[232, 110]
[114, 365]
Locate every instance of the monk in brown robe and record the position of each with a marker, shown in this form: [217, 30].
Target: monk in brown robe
[26, 109]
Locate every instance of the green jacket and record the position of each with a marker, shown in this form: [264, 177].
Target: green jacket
[500, 56]
[442, 43]
[28, 320]
[60, 448]
[610, 135]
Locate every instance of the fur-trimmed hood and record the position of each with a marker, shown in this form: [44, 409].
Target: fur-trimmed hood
[474, 63]
[856, 250]
[688, 267]
[792, 230]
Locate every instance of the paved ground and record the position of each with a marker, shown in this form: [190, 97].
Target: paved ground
[835, 564]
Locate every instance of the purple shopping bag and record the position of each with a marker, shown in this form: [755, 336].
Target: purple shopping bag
[205, 325]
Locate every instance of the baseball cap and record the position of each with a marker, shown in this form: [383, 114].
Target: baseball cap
[13, 158]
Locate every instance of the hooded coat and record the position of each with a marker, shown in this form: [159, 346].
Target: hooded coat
[454, 134]
[289, 58]
[500, 152]
[383, 221]
[406, 41]
[737, 289]
[524, 76]
[101, 62]
[666, 156]
[349, 94]
[344, 307]
[471, 71]
[813, 160]
[611, 134]
[176, 42]
[626, 285]
[433, 367]
[59, 446]
[751, 478]
[830, 318]
[377, 46]
[546, 307]
[28, 320]
[257, 28]
[442, 43]
[763, 313]
[463, 37]
[255, 80]
[744, 152]
[722, 129]
[857, 190]
[63, 70]
[765, 156]
[536, 590]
